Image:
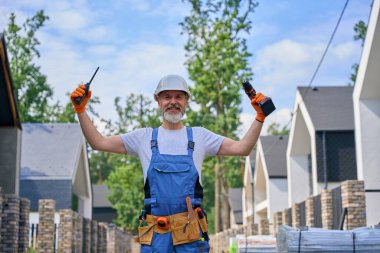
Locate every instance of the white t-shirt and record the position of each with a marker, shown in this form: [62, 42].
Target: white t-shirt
[172, 142]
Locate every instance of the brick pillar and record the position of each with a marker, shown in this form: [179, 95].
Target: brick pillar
[111, 238]
[327, 211]
[10, 223]
[296, 216]
[23, 232]
[251, 226]
[353, 198]
[285, 216]
[94, 236]
[309, 203]
[78, 226]
[102, 237]
[277, 222]
[46, 226]
[66, 231]
[264, 227]
[87, 235]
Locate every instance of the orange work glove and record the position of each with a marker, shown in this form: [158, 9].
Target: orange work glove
[255, 103]
[78, 92]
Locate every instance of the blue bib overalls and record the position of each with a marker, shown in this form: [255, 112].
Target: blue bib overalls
[170, 179]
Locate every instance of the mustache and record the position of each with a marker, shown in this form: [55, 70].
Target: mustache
[173, 107]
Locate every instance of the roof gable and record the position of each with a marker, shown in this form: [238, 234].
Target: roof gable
[330, 108]
[50, 150]
[274, 149]
[235, 201]
[100, 196]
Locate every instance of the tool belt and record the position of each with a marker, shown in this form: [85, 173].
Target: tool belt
[183, 230]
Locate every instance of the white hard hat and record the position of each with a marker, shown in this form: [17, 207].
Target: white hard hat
[172, 82]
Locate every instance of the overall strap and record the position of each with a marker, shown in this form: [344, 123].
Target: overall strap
[190, 142]
[153, 142]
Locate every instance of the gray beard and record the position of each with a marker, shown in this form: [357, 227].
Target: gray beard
[173, 118]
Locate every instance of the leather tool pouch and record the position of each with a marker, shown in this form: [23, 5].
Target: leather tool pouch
[146, 234]
[184, 231]
[203, 224]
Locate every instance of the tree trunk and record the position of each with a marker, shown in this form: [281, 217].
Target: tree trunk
[226, 206]
[217, 197]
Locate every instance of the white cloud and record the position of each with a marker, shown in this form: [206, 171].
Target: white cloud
[136, 69]
[286, 64]
[246, 120]
[70, 20]
[139, 5]
[104, 50]
[345, 51]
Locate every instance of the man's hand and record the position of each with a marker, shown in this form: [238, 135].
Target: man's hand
[78, 92]
[255, 103]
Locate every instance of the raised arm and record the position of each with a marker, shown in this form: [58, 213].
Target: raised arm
[244, 146]
[96, 140]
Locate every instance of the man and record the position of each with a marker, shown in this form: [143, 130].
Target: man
[171, 158]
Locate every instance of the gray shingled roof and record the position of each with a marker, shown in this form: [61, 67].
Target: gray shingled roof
[274, 148]
[100, 194]
[330, 108]
[50, 150]
[235, 201]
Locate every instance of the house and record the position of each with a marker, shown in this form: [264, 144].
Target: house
[247, 194]
[54, 165]
[270, 178]
[321, 147]
[366, 99]
[10, 127]
[235, 202]
[102, 208]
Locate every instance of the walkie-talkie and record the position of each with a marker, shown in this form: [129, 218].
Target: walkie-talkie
[79, 100]
[266, 106]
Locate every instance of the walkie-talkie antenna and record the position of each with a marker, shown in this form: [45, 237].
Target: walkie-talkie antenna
[79, 100]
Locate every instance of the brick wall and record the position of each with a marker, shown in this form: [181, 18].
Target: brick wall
[23, 232]
[277, 222]
[94, 236]
[78, 226]
[87, 235]
[10, 223]
[76, 234]
[286, 216]
[310, 212]
[296, 219]
[251, 228]
[264, 227]
[353, 198]
[66, 231]
[46, 226]
[327, 210]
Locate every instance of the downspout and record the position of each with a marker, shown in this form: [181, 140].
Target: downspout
[324, 159]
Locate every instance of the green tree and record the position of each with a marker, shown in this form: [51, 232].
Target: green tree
[127, 193]
[30, 84]
[32, 90]
[275, 129]
[122, 174]
[360, 29]
[217, 62]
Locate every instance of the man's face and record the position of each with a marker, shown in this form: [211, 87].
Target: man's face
[172, 104]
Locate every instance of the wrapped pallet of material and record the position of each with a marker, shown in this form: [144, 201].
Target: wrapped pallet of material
[361, 240]
[256, 244]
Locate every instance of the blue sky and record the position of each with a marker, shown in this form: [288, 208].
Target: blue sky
[136, 42]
